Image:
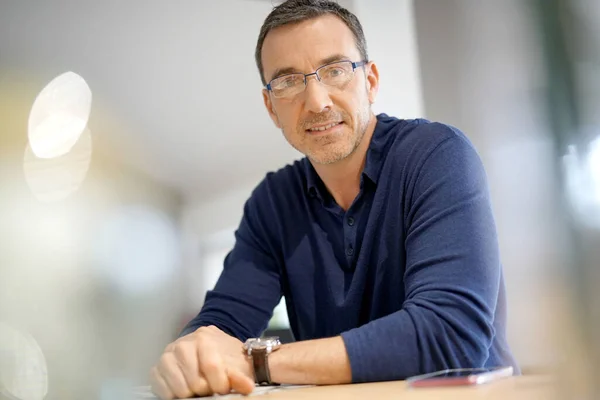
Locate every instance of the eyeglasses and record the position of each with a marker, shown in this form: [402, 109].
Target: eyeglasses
[336, 74]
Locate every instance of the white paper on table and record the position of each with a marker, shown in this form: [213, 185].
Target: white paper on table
[144, 392]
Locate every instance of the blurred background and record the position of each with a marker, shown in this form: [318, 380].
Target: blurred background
[115, 219]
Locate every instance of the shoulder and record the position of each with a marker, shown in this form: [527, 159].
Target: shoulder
[288, 180]
[420, 141]
[270, 204]
[423, 137]
[278, 191]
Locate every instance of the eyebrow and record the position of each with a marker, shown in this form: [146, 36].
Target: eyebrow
[291, 70]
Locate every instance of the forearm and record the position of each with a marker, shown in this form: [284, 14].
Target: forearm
[320, 362]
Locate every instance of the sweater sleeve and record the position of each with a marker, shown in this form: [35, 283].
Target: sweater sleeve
[451, 279]
[248, 288]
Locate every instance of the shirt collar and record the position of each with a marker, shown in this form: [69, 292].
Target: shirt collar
[375, 157]
[312, 180]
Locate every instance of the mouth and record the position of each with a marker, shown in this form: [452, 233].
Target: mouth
[323, 129]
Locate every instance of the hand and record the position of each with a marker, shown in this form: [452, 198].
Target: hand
[205, 362]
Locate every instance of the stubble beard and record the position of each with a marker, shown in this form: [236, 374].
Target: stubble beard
[331, 149]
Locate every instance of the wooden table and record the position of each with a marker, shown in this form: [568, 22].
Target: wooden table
[515, 388]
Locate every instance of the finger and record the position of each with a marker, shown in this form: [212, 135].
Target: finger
[159, 386]
[213, 369]
[170, 371]
[240, 382]
[187, 358]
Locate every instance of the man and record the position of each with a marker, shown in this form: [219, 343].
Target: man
[382, 239]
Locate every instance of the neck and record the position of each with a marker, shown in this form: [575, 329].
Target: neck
[342, 179]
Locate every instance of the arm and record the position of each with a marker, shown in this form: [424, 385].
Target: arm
[320, 362]
[451, 281]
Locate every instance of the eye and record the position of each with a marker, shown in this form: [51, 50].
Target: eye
[334, 72]
[288, 81]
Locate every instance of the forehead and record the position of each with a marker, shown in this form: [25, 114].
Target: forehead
[303, 45]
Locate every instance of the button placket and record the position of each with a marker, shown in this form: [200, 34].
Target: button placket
[350, 238]
[349, 251]
[350, 232]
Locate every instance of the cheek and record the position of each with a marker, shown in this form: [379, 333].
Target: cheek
[288, 118]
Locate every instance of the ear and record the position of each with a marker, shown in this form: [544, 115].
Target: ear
[372, 77]
[270, 109]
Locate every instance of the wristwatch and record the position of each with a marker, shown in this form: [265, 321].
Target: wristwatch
[259, 349]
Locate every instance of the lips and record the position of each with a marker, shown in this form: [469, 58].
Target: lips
[322, 128]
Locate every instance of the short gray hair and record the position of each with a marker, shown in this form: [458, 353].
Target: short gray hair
[295, 11]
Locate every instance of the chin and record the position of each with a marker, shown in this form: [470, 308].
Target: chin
[328, 157]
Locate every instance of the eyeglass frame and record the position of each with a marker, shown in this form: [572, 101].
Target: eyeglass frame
[355, 64]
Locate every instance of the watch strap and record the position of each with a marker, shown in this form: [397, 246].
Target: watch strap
[260, 361]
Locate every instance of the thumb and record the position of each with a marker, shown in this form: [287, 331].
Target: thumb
[240, 382]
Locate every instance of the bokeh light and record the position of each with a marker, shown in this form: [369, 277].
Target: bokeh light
[594, 168]
[59, 115]
[582, 180]
[23, 371]
[54, 179]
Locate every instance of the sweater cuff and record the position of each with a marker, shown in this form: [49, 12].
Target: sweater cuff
[355, 346]
[382, 350]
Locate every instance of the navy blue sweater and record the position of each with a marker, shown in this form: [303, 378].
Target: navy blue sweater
[409, 275]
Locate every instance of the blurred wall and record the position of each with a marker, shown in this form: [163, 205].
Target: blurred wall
[92, 277]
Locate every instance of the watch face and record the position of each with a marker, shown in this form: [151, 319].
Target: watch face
[270, 343]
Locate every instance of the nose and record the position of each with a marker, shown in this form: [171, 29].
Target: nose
[316, 96]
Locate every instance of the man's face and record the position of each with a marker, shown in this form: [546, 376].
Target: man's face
[304, 47]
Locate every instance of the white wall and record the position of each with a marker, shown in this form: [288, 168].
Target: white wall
[392, 44]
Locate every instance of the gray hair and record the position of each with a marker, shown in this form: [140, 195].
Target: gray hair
[295, 11]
